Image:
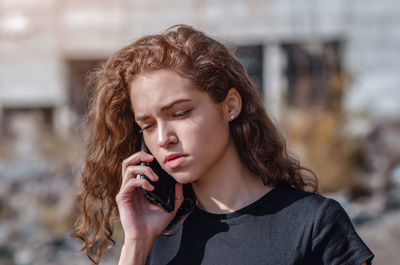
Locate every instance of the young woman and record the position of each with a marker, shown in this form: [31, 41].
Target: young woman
[202, 119]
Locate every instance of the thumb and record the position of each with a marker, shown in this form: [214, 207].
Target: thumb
[178, 196]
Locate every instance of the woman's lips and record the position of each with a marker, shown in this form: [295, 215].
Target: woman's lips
[175, 162]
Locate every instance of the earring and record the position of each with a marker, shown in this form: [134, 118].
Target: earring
[232, 116]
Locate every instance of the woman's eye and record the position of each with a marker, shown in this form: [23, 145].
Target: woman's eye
[145, 128]
[181, 113]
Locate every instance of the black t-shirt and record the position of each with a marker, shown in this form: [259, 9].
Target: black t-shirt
[285, 226]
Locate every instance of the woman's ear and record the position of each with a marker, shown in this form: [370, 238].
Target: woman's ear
[232, 104]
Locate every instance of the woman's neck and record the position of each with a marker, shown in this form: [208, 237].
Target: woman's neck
[229, 185]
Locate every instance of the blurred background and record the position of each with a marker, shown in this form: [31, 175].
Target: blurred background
[328, 71]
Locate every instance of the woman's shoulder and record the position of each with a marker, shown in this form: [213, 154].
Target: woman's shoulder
[287, 194]
[290, 200]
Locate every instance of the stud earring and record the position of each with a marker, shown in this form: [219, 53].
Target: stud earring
[232, 116]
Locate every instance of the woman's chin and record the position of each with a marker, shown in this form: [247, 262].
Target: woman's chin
[184, 178]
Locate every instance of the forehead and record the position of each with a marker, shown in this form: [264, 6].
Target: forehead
[156, 89]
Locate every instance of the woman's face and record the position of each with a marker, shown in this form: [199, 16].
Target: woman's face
[183, 128]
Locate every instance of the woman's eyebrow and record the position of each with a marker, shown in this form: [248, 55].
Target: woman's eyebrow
[163, 108]
[141, 118]
[170, 105]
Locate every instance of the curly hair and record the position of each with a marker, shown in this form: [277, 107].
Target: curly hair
[113, 135]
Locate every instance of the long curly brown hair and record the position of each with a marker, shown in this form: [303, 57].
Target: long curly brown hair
[113, 135]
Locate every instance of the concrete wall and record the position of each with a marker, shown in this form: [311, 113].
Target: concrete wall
[32, 60]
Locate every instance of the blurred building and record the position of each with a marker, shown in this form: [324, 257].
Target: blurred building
[332, 52]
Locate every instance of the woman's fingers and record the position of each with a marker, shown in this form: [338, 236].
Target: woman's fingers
[134, 171]
[135, 159]
[132, 184]
[136, 183]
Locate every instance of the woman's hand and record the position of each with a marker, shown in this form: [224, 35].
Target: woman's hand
[141, 220]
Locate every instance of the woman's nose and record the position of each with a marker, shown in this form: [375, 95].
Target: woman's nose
[166, 135]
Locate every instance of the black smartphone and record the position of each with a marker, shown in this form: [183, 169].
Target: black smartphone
[164, 189]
